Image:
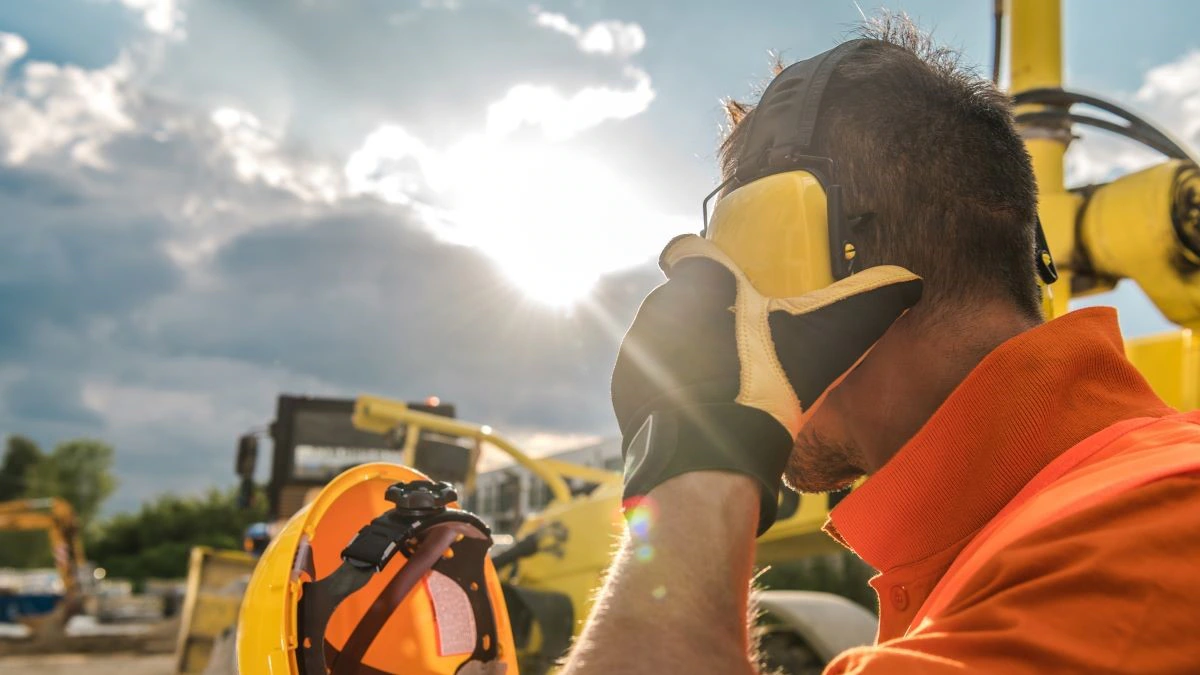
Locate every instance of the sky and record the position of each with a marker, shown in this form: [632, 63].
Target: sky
[205, 203]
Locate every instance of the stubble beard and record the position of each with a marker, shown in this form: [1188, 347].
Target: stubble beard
[821, 464]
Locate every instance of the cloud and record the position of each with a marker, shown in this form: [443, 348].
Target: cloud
[71, 259]
[561, 117]
[105, 334]
[553, 217]
[50, 109]
[1169, 97]
[257, 156]
[172, 257]
[434, 72]
[1174, 90]
[164, 17]
[391, 164]
[558, 22]
[614, 38]
[12, 48]
[48, 397]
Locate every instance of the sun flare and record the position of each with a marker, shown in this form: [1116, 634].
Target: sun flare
[553, 220]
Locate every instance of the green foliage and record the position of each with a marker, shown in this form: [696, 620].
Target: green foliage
[17, 548]
[20, 456]
[26, 550]
[155, 542]
[79, 471]
[842, 574]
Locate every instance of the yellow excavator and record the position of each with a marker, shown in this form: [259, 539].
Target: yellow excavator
[47, 613]
[552, 569]
[1143, 227]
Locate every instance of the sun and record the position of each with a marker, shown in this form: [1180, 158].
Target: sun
[555, 221]
[556, 286]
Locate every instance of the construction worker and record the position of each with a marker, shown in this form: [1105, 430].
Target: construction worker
[1031, 506]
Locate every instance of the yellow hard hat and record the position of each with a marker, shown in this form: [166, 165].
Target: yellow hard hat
[330, 586]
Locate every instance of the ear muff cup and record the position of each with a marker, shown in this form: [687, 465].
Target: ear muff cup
[777, 229]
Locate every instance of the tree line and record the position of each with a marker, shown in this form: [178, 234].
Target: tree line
[78, 471]
[153, 542]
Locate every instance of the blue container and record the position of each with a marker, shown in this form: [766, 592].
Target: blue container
[17, 606]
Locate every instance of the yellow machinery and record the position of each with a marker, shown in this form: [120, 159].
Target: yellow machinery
[215, 585]
[57, 519]
[1144, 227]
[559, 555]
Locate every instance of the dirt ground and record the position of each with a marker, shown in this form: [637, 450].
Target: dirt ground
[89, 664]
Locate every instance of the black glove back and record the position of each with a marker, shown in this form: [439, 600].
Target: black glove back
[713, 376]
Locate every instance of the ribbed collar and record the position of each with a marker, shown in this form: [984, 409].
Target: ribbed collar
[1032, 398]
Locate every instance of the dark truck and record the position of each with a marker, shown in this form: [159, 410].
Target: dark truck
[314, 440]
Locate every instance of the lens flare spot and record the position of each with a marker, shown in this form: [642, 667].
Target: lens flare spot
[659, 592]
[644, 553]
[640, 515]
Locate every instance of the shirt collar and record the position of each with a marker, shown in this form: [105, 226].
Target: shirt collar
[1030, 399]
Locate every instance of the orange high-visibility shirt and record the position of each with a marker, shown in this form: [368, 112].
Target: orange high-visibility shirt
[1110, 587]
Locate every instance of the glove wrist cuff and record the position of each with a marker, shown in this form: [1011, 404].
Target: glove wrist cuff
[718, 437]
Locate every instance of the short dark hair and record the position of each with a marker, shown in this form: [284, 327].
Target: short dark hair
[930, 149]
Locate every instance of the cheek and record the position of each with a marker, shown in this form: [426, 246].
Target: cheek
[827, 419]
[866, 393]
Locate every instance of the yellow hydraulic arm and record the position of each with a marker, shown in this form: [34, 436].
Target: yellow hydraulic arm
[56, 517]
[1144, 226]
[384, 416]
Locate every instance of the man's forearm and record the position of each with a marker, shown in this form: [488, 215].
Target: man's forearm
[676, 596]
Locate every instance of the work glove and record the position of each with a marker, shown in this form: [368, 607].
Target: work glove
[713, 376]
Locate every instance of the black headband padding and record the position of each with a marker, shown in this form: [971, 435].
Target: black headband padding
[785, 119]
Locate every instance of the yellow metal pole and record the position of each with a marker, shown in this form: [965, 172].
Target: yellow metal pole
[1035, 62]
[410, 445]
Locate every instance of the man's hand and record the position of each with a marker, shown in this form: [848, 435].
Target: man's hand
[710, 389]
[713, 376]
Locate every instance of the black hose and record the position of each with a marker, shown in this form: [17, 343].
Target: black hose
[997, 36]
[1139, 129]
[1150, 139]
[524, 548]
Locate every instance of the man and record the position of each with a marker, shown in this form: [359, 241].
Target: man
[1032, 506]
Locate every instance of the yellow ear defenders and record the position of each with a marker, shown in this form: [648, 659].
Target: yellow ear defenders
[781, 216]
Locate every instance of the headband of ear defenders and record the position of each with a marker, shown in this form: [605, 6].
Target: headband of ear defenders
[779, 137]
[779, 134]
